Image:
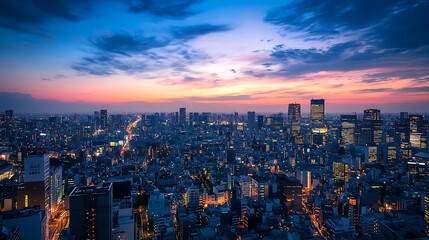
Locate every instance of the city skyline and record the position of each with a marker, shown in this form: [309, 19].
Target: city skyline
[217, 56]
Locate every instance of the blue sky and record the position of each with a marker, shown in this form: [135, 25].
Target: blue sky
[246, 55]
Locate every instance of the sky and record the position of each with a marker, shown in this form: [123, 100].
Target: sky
[213, 55]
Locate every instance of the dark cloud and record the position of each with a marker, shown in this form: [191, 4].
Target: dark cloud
[58, 76]
[372, 90]
[191, 32]
[134, 52]
[386, 33]
[424, 89]
[391, 19]
[223, 98]
[189, 79]
[418, 75]
[127, 43]
[347, 56]
[163, 8]
[30, 15]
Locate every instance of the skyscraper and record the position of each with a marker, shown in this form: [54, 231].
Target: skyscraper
[317, 109]
[35, 191]
[251, 120]
[91, 212]
[182, 116]
[416, 123]
[348, 128]
[260, 121]
[103, 119]
[371, 114]
[294, 116]
[374, 124]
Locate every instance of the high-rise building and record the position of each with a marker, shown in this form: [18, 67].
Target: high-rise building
[317, 110]
[416, 123]
[402, 127]
[371, 114]
[96, 120]
[294, 116]
[251, 120]
[260, 121]
[182, 116]
[35, 190]
[56, 186]
[348, 129]
[425, 209]
[103, 119]
[91, 212]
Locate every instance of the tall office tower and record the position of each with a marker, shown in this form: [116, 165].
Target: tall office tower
[56, 186]
[117, 122]
[294, 116]
[205, 117]
[402, 127]
[7, 124]
[103, 119]
[425, 209]
[230, 156]
[251, 120]
[416, 123]
[371, 114]
[176, 117]
[91, 212]
[96, 119]
[317, 109]
[348, 129]
[182, 116]
[374, 125]
[377, 131]
[354, 211]
[260, 121]
[35, 191]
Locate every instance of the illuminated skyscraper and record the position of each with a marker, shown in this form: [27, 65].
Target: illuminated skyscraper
[416, 123]
[294, 116]
[35, 191]
[348, 129]
[425, 209]
[374, 124]
[402, 127]
[317, 109]
[371, 114]
[182, 116]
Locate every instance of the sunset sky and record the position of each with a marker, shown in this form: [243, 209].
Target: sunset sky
[214, 55]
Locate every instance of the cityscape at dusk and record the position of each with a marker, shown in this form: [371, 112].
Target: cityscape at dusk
[214, 120]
